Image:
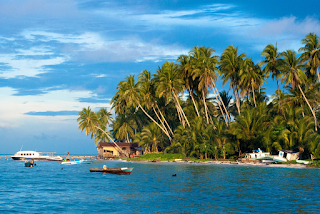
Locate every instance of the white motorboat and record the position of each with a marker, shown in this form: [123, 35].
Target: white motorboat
[257, 155]
[43, 156]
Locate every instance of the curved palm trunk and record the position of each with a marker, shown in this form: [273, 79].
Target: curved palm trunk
[254, 97]
[194, 103]
[314, 116]
[159, 119]
[235, 93]
[205, 106]
[179, 106]
[128, 140]
[225, 119]
[224, 107]
[120, 151]
[164, 119]
[155, 122]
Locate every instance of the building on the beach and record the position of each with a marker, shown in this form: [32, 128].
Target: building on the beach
[288, 154]
[109, 150]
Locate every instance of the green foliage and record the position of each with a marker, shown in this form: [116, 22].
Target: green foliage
[153, 113]
[159, 156]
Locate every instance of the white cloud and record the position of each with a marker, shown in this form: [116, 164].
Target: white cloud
[12, 114]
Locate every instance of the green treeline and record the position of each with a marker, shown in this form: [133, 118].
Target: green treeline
[173, 112]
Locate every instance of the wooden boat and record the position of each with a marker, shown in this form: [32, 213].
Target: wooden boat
[29, 163]
[114, 170]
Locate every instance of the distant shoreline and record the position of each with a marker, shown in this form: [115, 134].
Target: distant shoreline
[283, 165]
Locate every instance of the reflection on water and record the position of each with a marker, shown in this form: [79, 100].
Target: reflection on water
[151, 188]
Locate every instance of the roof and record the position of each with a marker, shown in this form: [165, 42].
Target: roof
[288, 151]
[109, 144]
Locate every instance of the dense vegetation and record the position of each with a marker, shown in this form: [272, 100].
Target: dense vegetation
[171, 111]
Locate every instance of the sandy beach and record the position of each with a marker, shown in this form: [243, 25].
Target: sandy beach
[294, 166]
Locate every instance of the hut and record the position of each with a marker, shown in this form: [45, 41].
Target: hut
[110, 150]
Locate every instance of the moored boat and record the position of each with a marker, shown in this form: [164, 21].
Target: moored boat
[303, 161]
[37, 156]
[29, 163]
[72, 162]
[114, 170]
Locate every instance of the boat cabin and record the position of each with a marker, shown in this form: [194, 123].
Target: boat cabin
[110, 150]
[257, 154]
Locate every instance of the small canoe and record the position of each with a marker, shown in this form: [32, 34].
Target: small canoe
[114, 170]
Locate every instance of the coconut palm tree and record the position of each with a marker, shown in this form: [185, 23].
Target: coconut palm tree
[147, 94]
[273, 62]
[88, 121]
[294, 75]
[151, 135]
[186, 68]
[230, 66]
[203, 69]
[129, 91]
[124, 127]
[311, 53]
[169, 83]
[250, 78]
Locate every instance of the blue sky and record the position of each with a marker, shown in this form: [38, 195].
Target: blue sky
[57, 57]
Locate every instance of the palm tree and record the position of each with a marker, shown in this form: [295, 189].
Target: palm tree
[273, 62]
[123, 127]
[151, 135]
[88, 121]
[294, 75]
[250, 78]
[169, 83]
[203, 69]
[311, 53]
[230, 66]
[147, 94]
[129, 91]
[186, 69]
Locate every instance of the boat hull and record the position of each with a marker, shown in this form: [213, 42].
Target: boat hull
[115, 170]
[76, 162]
[23, 159]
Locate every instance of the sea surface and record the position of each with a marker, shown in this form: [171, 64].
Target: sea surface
[50, 187]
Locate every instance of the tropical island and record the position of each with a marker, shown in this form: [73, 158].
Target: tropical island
[172, 112]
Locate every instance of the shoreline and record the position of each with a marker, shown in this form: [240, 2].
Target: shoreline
[283, 165]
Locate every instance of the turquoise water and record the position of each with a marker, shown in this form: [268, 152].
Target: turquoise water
[51, 187]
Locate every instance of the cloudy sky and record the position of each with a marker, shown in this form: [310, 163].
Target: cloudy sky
[57, 57]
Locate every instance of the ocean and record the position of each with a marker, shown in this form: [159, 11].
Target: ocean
[50, 187]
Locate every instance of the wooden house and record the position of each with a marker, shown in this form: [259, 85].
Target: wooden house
[110, 150]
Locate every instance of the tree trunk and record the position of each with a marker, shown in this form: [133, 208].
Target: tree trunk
[182, 112]
[302, 110]
[164, 119]
[159, 119]
[227, 113]
[254, 97]
[318, 74]
[205, 106]
[194, 103]
[314, 116]
[120, 150]
[236, 99]
[225, 119]
[155, 122]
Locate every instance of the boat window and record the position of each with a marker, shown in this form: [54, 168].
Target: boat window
[123, 148]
